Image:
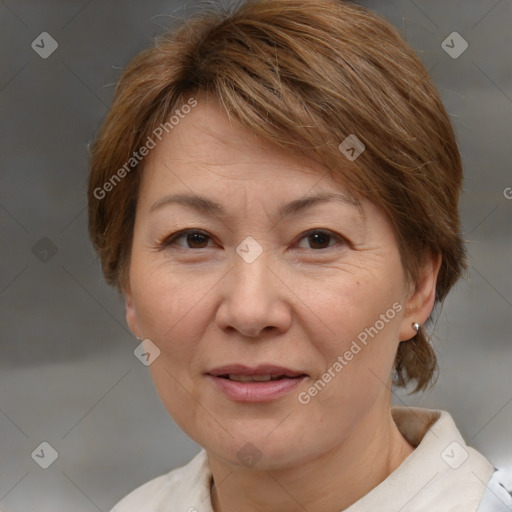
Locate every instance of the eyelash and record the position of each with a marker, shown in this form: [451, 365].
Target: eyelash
[170, 240]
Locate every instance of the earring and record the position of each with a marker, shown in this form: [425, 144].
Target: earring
[416, 326]
[140, 339]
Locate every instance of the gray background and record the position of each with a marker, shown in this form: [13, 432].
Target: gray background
[68, 375]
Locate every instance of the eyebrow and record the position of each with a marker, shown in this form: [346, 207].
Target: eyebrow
[205, 205]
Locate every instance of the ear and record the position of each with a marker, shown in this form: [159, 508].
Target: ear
[420, 301]
[131, 312]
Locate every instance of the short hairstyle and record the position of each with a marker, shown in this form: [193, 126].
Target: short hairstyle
[303, 75]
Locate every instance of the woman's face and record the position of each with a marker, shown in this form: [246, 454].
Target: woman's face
[313, 292]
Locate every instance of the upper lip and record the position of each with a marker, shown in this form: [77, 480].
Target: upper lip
[264, 369]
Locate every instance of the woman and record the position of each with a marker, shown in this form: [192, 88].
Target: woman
[274, 191]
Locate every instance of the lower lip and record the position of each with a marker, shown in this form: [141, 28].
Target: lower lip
[256, 391]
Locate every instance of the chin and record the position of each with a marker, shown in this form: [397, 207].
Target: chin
[260, 453]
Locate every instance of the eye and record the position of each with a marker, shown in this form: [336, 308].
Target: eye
[320, 237]
[197, 239]
[194, 237]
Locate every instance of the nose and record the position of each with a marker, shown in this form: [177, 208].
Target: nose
[255, 298]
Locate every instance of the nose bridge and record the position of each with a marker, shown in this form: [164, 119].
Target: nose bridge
[251, 299]
[251, 268]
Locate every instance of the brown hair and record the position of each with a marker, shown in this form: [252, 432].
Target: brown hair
[304, 75]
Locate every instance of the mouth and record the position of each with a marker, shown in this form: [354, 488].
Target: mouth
[259, 384]
[256, 378]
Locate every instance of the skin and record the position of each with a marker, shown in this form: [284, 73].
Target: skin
[300, 304]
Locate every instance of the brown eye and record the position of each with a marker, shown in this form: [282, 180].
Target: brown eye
[319, 239]
[194, 239]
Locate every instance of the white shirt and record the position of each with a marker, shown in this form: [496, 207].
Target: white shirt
[442, 474]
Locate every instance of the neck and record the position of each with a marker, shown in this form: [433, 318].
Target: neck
[329, 483]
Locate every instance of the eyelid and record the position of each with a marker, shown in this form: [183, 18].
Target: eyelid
[169, 240]
[324, 231]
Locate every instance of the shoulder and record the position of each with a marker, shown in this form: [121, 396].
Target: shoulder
[459, 477]
[185, 485]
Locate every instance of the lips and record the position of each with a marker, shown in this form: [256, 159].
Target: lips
[259, 373]
[258, 384]
[252, 378]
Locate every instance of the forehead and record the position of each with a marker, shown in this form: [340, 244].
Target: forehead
[207, 148]
[210, 139]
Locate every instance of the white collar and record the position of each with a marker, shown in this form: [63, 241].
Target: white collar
[441, 474]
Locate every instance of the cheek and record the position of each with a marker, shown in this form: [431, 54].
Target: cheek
[352, 306]
[168, 300]
[170, 309]
[361, 315]
[358, 362]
